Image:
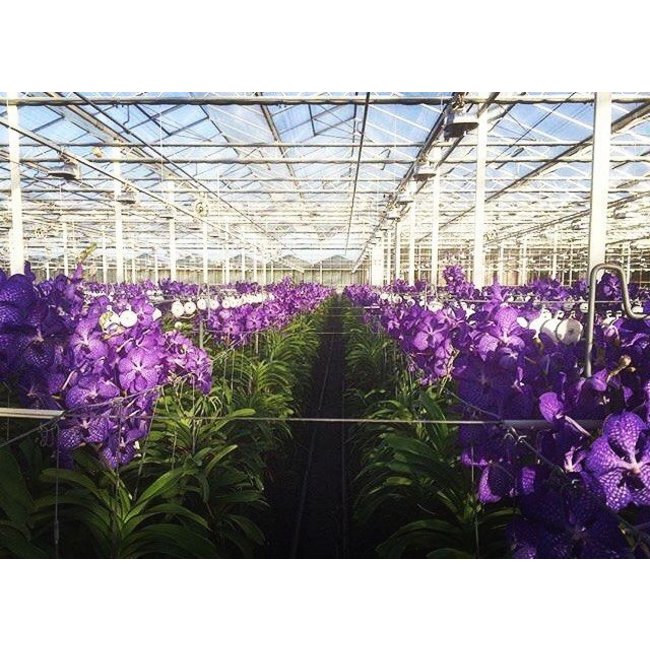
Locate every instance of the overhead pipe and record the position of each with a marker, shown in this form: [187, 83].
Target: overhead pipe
[338, 161]
[325, 145]
[238, 100]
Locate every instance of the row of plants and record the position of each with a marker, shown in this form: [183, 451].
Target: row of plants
[577, 479]
[412, 495]
[193, 485]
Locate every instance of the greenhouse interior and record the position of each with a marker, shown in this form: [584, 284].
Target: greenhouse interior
[325, 325]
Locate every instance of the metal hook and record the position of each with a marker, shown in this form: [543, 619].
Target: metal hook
[591, 317]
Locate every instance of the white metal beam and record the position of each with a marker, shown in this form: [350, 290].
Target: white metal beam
[478, 273]
[16, 239]
[172, 249]
[523, 261]
[119, 225]
[104, 258]
[501, 264]
[173, 255]
[599, 178]
[398, 249]
[205, 252]
[133, 269]
[554, 258]
[66, 263]
[263, 265]
[411, 267]
[388, 256]
[435, 228]
[226, 262]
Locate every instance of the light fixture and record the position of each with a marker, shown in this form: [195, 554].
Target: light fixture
[458, 123]
[127, 196]
[424, 170]
[405, 198]
[200, 208]
[67, 170]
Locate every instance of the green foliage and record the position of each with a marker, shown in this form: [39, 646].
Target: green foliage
[198, 483]
[413, 498]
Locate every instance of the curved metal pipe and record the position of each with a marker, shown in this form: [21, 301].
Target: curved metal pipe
[591, 316]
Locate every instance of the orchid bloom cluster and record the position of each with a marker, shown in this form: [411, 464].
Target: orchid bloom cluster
[457, 283]
[510, 358]
[101, 360]
[235, 322]
[232, 314]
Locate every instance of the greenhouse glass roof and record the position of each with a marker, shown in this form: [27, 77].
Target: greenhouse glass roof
[310, 176]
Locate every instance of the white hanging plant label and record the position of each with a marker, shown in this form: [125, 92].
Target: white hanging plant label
[178, 309]
[569, 331]
[109, 321]
[128, 318]
[550, 328]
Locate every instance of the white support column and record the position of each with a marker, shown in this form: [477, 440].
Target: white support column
[119, 226]
[104, 258]
[272, 269]
[226, 262]
[172, 232]
[628, 264]
[478, 272]
[435, 227]
[599, 179]
[398, 248]
[172, 249]
[47, 265]
[133, 269]
[378, 262]
[156, 272]
[571, 264]
[372, 275]
[254, 266]
[243, 265]
[554, 258]
[205, 252]
[411, 269]
[523, 262]
[16, 240]
[263, 264]
[66, 263]
[501, 264]
[388, 257]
